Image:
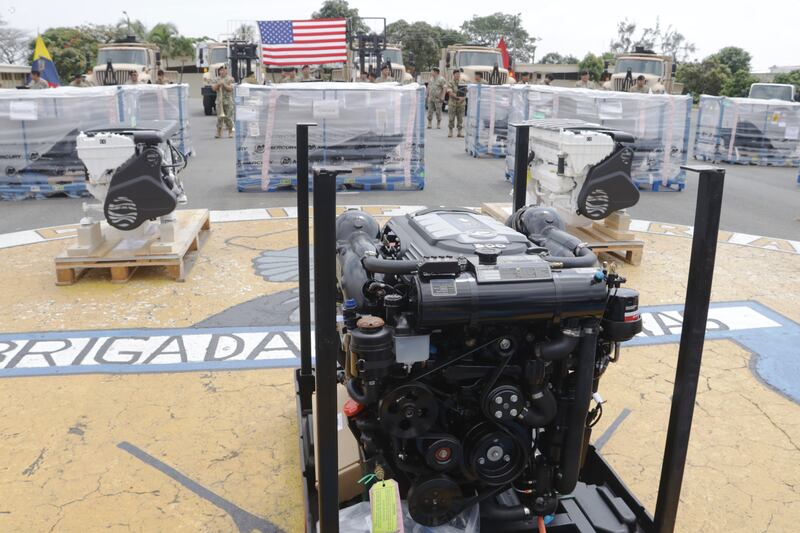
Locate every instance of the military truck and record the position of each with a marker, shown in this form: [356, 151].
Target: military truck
[209, 57]
[471, 59]
[658, 70]
[117, 60]
[773, 91]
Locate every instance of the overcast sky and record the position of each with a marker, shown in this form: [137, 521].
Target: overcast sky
[771, 34]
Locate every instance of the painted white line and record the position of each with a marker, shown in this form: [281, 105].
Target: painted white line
[19, 238]
[239, 215]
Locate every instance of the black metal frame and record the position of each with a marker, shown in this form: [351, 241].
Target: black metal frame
[322, 502]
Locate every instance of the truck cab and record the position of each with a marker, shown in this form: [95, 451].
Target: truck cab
[394, 55]
[472, 59]
[773, 91]
[658, 71]
[116, 61]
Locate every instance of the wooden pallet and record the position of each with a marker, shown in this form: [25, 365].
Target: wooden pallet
[612, 236]
[123, 256]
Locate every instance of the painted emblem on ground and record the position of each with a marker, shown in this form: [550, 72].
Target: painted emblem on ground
[771, 337]
[280, 265]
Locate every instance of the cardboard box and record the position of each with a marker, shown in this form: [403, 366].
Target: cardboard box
[349, 464]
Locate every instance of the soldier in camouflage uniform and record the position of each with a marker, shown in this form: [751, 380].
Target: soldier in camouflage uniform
[223, 85]
[479, 78]
[386, 74]
[435, 97]
[640, 86]
[36, 81]
[79, 81]
[456, 105]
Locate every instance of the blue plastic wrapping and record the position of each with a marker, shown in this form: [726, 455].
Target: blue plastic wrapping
[38, 130]
[748, 131]
[660, 123]
[375, 130]
[488, 108]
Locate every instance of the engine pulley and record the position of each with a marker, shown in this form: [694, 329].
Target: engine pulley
[409, 411]
[444, 453]
[434, 501]
[503, 403]
[494, 457]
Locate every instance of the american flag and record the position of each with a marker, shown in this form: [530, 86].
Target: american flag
[303, 42]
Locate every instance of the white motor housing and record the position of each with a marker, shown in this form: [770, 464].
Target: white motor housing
[102, 154]
[564, 154]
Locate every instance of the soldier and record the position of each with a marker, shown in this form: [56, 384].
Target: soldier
[79, 81]
[133, 78]
[36, 81]
[306, 74]
[223, 85]
[548, 79]
[364, 78]
[457, 103]
[640, 85]
[435, 97]
[479, 78]
[585, 82]
[160, 79]
[251, 78]
[371, 77]
[386, 74]
[524, 78]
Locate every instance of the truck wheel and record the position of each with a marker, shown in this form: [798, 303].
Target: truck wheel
[208, 105]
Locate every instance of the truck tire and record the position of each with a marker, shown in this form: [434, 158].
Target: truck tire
[208, 105]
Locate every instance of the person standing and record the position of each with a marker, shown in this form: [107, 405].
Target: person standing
[456, 105]
[386, 74]
[36, 81]
[585, 82]
[640, 86]
[435, 97]
[79, 81]
[548, 79]
[305, 74]
[364, 77]
[133, 78]
[479, 78]
[223, 85]
[524, 78]
[160, 78]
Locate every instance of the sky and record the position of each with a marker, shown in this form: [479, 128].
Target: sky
[771, 34]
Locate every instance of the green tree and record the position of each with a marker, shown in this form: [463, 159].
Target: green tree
[245, 32]
[738, 84]
[449, 37]
[333, 9]
[667, 41]
[163, 35]
[792, 78]
[488, 30]
[734, 58]
[624, 40]
[419, 40]
[137, 29]
[73, 50]
[593, 64]
[554, 58]
[708, 76]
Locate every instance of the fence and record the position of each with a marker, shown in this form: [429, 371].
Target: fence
[748, 131]
[375, 131]
[659, 122]
[38, 131]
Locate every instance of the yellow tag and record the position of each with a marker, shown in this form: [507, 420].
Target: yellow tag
[384, 500]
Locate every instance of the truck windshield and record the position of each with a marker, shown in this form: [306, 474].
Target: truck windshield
[486, 59]
[771, 92]
[395, 57]
[217, 55]
[132, 57]
[640, 66]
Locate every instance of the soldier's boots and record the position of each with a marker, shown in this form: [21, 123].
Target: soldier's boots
[219, 133]
[438, 125]
[230, 133]
[430, 124]
[450, 133]
[460, 133]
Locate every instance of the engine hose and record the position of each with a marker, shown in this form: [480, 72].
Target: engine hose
[491, 510]
[576, 429]
[584, 258]
[364, 398]
[389, 266]
[542, 409]
[559, 347]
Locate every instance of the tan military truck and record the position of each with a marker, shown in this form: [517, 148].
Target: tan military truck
[471, 59]
[209, 57]
[659, 72]
[116, 61]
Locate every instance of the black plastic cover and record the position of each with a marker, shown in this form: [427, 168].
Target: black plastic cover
[608, 187]
[137, 193]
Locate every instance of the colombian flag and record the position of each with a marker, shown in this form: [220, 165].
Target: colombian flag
[44, 63]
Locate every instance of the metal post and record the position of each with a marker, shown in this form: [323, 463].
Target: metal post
[687, 374]
[327, 346]
[303, 260]
[520, 165]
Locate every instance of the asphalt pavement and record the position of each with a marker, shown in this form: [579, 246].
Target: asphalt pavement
[758, 200]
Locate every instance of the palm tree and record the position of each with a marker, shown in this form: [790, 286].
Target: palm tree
[164, 35]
